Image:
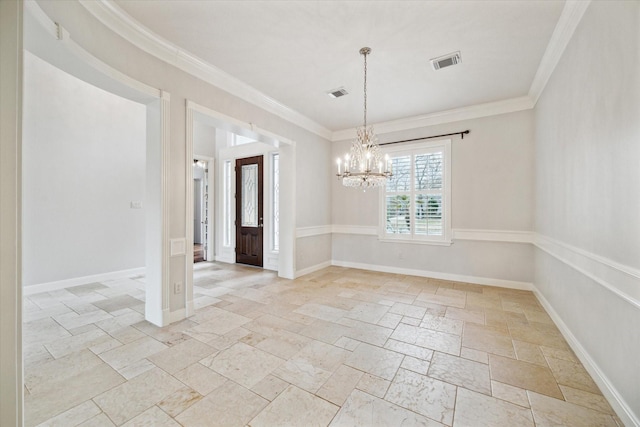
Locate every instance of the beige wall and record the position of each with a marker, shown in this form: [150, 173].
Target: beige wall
[492, 189]
[11, 384]
[588, 197]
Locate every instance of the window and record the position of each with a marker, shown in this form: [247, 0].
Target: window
[415, 203]
[226, 226]
[275, 202]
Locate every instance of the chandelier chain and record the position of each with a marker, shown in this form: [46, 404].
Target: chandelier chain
[365, 90]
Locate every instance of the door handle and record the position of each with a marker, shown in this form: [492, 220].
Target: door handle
[260, 223]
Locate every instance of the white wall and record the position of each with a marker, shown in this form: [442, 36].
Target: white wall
[492, 190]
[84, 163]
[123, 56]
[588, 197]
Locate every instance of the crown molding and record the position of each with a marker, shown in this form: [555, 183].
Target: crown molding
[118, 21]
[566, 26]
[447, 116]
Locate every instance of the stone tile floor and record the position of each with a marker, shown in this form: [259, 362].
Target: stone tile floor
[338, 347]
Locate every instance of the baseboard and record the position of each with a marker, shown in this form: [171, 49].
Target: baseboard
[608, 390]
[177, 315]
[67, 283]
[511, 284]
[312, 269]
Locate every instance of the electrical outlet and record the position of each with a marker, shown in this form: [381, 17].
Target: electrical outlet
[177, 288]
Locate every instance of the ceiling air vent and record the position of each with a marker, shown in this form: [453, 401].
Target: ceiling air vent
[337, 93]
[446, 60]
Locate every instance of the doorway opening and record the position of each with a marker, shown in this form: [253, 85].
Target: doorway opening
[201, 210]
[222, 140]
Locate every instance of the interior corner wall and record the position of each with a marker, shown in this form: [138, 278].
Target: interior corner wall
[587, 191]
[492, 192]
[84, 163]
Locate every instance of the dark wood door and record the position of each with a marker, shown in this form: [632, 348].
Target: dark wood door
[249, 211]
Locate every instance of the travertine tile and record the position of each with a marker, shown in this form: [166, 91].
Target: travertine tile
[366, 332]
[270, 387]
[408, 310]
[439, 341]
[347, 343]
[416, 365]
[128, 354]
[524, 375]
[549, 412]
[334, 333]
[321, 311]
[152, 417]
[475, 355]
[368, 312]
[178, 401]
[390, 320]
[64, 346]
[221, 408]
[373, 385]
[100, 420]
[74, 416]
[466, 315]
[572, 374]
[283, 343]
[362, 409]
[587, 399]
[510, 393]
[244, 364]
[136, 368]
[201, 379]
[47, 400]
[302, 373]
[409, 349]
[340, 384]
[322, 330]
[178, 357]
[487, 339]
[375, 360]
[529, 353]
[442, 324]
[461, 372]
[427, 396]
[136, 395]
[296, 407]
[477, 410]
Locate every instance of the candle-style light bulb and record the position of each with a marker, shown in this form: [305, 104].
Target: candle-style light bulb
[339, 163]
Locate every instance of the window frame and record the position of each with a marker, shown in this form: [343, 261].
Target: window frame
[443, 146]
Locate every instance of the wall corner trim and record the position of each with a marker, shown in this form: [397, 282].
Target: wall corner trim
[566, 26]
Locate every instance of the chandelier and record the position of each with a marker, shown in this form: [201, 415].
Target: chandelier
[364, 166]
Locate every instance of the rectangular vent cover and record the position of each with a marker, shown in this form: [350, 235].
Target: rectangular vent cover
[337, 93]
[446, 60]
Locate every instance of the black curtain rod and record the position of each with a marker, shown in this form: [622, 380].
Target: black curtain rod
[461, 133]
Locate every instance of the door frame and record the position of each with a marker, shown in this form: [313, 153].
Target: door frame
[287, 149]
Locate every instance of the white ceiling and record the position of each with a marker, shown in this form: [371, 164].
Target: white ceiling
[295, 51]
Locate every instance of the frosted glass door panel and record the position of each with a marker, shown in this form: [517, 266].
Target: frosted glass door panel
[250, 195]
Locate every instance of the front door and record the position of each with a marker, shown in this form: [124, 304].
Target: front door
[249, 217]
